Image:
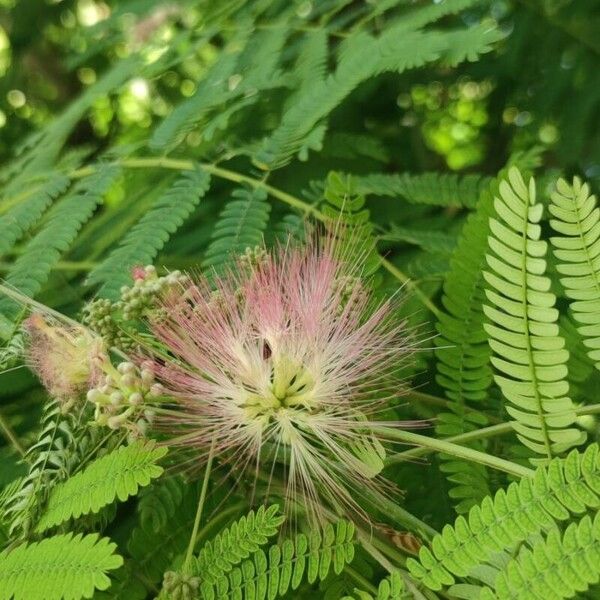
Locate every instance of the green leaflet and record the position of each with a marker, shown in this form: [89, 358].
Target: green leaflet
[463, 354]
[154, 547]
[436, 189]
[240, 227]
[46, 459]
[428, 13]
[566, 486]
[562, 566]
[117, 475]
[577, 250]
[59, 229]
[390, 588]
[272, 574]
[15, 222]
[528, 352]
[236, 78]
[141, 244]
[343, 206]
[236, 543]
[64, 566]
[362, 57]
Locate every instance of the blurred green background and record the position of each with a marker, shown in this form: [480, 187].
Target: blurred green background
[542, 86]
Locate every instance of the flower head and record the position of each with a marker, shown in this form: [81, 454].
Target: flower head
[66, 357]
[282, 366]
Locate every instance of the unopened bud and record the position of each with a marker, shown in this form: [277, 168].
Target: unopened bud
[116, 398]
[129, 380]
[136, 399]
[114, 422]
[147, 376]
[126, 367]
[93, 395]
[157, 390]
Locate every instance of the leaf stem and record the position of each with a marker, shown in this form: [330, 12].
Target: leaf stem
[463, 438]
[361, 580]
[400, 276]
[400, 516]
[11, 436]
[192, 544]
[478, 434]
[455, 450]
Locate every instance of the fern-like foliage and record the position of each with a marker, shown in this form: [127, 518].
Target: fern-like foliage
[61, 225]
[236, 543]
[390, 588]
[57, 568]
[158, 502]
[150, 234]
[208, 95]
[428, 13]
[562, 566]
[247, 67]
[117, 475]
[434, 242]
[362, 57]
[564, 487]
[154, 545]
[463, 354]
[284, 566]
[311, 65]
[46, 467]
[240, 226]
[528, 351]
[343, 206]
[577, 219]
[435, 189]
[22, 216]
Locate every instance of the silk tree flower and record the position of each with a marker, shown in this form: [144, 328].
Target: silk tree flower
[66, 357]
[282, 366]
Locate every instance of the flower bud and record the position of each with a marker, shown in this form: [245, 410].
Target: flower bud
[93, 395]
[136, 399]
[116, 398]
[128, 380]
[147, 376]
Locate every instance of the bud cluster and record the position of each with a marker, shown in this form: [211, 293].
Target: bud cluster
[347, 286]
[114, 320]
[141, 297]
[180, 586]
[122, 399]
[98, 315]
[253, 257]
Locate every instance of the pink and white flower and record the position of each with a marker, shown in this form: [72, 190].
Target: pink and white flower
[284, 365]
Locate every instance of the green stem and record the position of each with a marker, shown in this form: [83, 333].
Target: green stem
[62, 265]
[362, 581]
[400, 516]
[478, 434]
[590, 409]
[11, 436]
[400, 276]
[192, 544]
[446, 447]
[219, 517]
[463, 438]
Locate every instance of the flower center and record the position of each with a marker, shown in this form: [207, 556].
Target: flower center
[291, 387]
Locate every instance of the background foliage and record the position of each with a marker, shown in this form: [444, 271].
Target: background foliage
[181, 133]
